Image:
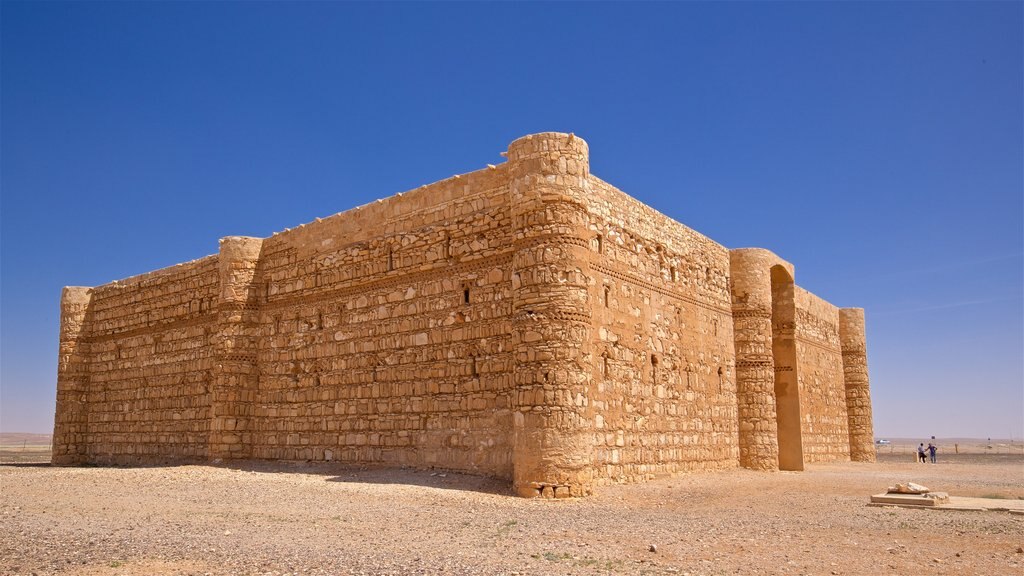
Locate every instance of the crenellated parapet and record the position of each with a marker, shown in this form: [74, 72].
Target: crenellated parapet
[855, 377]
[550, 316]
[71, 419]
[235, 345]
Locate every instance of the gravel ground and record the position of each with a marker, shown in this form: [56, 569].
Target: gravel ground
[273, 518]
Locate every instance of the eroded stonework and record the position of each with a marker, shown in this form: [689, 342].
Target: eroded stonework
[527, 321]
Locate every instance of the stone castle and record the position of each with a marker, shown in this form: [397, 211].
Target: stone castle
[527, 321]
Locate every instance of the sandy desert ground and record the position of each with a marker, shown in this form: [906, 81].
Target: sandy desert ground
[276, 518]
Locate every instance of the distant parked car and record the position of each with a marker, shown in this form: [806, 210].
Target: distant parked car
[883, 442]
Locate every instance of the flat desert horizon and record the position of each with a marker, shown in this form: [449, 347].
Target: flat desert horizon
[40, 437]
[32, 447]
[11, 442]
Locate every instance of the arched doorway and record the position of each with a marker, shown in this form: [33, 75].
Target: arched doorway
[787, 395]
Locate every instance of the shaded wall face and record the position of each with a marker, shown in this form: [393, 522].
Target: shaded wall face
[391, 349]
[149, 365]
[70, 422]
[820, 369]
[663, 389]
[784, 357]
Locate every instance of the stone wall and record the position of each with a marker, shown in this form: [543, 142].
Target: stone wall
[663, 396]
[148, 368]
[527, 321]
[384, 332]
[823, 424]
[70, 422]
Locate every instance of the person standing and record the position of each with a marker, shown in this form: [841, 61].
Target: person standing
[920, 453]
[932, 449]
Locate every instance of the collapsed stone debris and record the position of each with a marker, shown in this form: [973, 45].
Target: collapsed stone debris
[527, 321]
[908, 488]
[910, 494]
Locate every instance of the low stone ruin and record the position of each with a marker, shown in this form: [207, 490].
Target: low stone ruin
[911, 494]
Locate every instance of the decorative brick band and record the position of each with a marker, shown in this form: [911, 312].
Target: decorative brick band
[742, 313]
[754, 364]
[399, 280]
[817, 344]
[158, 326]
[625, 277]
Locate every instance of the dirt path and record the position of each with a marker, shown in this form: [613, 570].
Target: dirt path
[320, 519]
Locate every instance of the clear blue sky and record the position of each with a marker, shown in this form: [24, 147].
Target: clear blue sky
[876, 146]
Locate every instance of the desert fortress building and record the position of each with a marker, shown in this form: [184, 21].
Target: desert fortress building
[527, 321]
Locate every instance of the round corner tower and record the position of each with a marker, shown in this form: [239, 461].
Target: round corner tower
[550, 315]
[853, 341]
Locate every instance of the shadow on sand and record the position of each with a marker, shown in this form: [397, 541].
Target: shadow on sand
[331, 471]
[353, 474]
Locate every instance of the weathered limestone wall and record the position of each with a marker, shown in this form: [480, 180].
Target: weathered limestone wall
[824, 425]
[527, 321]
[663, 396]
[71, 421]
[384, 332]
[149, 366]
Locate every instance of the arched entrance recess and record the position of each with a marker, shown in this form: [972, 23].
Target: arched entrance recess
[767, 395]
[787, 394]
